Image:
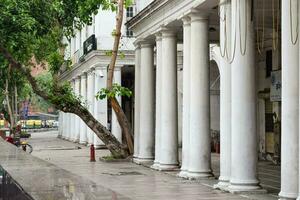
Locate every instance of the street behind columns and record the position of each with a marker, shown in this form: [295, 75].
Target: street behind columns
[140, 182]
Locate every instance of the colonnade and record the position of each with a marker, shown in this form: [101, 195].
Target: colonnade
[156, 112]
[86, 85]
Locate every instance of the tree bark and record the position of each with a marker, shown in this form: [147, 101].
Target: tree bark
[8, 105]
[121, 117]
[16, 104]
[115, 147]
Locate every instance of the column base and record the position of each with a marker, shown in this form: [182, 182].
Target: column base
[76, 140]
[141, 161]
[82, 142]
[168, 167]
[135, 160]
[235, 188]
[199, 175]
[183, 173]
[288, 196]
[222, 185]
[155, 166]
[73, 140]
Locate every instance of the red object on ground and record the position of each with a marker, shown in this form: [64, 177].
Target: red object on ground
[92, 153]
[9, 139]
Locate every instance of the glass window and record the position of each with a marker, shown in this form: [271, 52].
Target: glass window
[129, 12]
[129, 33]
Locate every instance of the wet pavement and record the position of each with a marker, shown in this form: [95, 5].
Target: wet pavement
[125, 180]
[42, 180]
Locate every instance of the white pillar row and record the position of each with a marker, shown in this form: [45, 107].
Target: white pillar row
[66, 126]
[83, 127]
[73, 116]
[290, 103]
[137, 83]
[100, 106]
[115, 126]
[158, 100]
[200, 148]
[225, 95]
[69, 126]
[244, 154]
[186, 96]
[90, 102]
[146, 134]
[59, 124]
[77, 119]
[62, 125]
[168, 158]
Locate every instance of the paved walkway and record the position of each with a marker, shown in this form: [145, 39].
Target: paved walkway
[138, 182]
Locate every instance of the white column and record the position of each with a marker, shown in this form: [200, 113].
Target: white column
[115, 127]
[77, 119]
[66, 117]
[72, 117]
[200, 150]
[59, 123]
[69, 126]
[137, 83]
[83, 127]
[146, 142]
[290, 103]
[90, 102]
[169, 117]
[158, 100]
[100, 106]
[186, 96]
[243, 94]
[62, 125]
[225, 96]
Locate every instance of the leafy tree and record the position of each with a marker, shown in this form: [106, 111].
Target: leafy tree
[31, 34]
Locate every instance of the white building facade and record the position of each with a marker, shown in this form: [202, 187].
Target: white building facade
[202, 68]
[239, 75]
[89, 50]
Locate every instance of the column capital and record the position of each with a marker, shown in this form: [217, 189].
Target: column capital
[90, 70]
[168, 32]
[77, 78]
[83, 75]
[146, 43]
[186, 20]
[158, 36]
[100, 67]
[118, 67]
[137, 43]
[197, 15]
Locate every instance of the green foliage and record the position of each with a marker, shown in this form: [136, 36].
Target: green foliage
[38, 29]
[117, 90]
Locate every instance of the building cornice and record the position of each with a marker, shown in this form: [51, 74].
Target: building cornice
[94, 59]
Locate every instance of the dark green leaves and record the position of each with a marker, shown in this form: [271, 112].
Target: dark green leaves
[117, 90]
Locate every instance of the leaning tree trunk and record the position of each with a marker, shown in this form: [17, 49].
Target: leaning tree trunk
[69, 105]
[9, 109]
[121, 117]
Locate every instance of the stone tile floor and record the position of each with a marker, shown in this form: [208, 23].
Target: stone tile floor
[140, 182]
